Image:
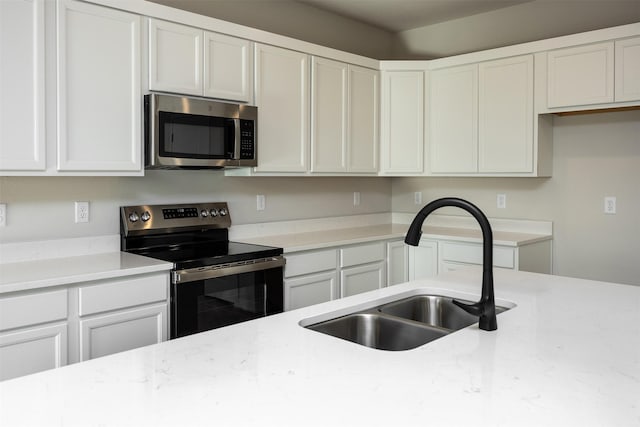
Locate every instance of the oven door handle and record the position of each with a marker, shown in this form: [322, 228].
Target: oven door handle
[214, 271]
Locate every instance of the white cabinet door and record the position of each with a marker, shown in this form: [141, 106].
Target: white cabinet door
[505, 121]
[627, 70]
[402, 126]
[32, 350]
[175, 58]
[423, 260]
[22, 126]
[282, 97]
[99, 97]
[122, 330]
[453, 120]
[580, 75]
[228, 67]
[364, 100]
[310, 289]
[328, 115]
[364, 278]
[397, 262]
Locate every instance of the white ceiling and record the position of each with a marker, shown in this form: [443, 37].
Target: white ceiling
[400, 15]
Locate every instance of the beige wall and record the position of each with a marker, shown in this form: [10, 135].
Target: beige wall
[595, 155]
[42, 208]
[521, 23]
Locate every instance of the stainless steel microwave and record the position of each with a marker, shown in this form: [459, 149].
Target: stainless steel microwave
[194, 133]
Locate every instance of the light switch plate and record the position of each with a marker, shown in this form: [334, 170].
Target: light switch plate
[260, 202]
[3, 214]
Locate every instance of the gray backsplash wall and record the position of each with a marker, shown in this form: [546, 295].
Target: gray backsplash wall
[595, 155]
[41, 208]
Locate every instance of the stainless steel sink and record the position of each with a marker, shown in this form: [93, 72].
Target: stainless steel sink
[379, 331]
[400, 325]
[435, 310]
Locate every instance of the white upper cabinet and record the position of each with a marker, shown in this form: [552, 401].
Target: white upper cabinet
[402, 124]
[344, 118]
[282, 97]
[364, 101]
[627, 69]
[453, 120]
[228, 65]
[191, 61]
[481, 118]
[328, 115]
[580, 75]
[99, 96]
[175, 58]
[22, 105]
[505, 123]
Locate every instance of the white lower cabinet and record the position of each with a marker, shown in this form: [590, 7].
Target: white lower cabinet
[362, 268]
[30, 350]
[122, 330]
[46, 329]
[423, 260]
[33, 332]
[432, 257]
[316, 276]
[310, 278]
[397, 262]
[355, 280]
[118, 315]
[310, 289]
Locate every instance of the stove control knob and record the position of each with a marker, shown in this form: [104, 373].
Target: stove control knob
[133, 217]
[213, 213]
[204, 213]
[146, 216]
[223, 212]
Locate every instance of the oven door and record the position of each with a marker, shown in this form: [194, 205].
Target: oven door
[209, 298]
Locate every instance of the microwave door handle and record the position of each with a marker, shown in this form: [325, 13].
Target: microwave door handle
[236, 139]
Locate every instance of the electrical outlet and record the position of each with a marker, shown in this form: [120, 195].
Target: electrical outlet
[260, 202]
[82, 212]
[501, 201]
[3, 214]
[417, 198]
[610, 205]
[356, 198]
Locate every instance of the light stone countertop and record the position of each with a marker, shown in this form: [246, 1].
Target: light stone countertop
[43, 273]
[301, 241]
[567, 354]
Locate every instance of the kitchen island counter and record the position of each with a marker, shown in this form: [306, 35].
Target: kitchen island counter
[566, 354]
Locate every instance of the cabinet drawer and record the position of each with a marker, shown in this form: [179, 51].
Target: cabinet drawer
[114, 295]
[31, 309]
[361, 254]
[472, 254]
[310, 262]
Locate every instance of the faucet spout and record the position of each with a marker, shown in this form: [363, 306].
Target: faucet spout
[485, 309]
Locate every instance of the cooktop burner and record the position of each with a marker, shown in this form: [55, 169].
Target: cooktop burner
[201, 255]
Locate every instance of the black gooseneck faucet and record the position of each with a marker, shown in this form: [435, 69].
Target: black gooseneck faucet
[485, 309]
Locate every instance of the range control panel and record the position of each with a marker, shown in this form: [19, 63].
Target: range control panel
[148, 218]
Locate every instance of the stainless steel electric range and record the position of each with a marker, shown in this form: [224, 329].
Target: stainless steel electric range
[214, 282]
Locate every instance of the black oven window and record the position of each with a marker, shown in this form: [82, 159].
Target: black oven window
[195, 136]
[213, 303]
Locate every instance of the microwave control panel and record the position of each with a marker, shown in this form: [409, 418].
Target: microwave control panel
[247, 139]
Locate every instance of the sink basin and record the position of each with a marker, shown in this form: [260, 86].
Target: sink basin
[435, 310]
[379, 331]
[400, 325]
